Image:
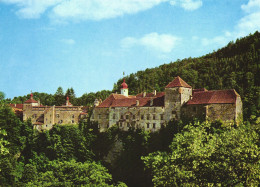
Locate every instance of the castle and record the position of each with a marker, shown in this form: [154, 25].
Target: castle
[151, 111]
[44, 117]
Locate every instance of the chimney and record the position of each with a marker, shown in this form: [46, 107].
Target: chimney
[144, 94]
[137, 102]
[151, 102]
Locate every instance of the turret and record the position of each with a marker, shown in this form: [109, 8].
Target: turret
[27, 107]
[177, 93]
[124, 89]
[68, 101]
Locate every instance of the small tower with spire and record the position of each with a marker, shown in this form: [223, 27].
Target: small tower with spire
[124, 89]
[68, 101]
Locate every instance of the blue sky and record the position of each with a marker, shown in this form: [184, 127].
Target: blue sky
[88, 44]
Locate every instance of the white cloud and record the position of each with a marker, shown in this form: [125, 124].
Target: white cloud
[101, 9]
[68, 41]
[31, 8]
[187, 4]
[91, 9]
[251, 6]
[251, 22]
[158, 42]
[247, 24]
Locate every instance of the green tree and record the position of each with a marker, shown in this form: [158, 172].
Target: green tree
[202, 155]
[70, 173]
[59, 97]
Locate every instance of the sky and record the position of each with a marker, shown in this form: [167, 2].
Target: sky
[88, 44]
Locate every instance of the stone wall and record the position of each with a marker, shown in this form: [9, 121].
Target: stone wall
[239, 109]
[194, 111]
[174, 100]
[50, 115]
[224, 112]
[101, 116]
[149, 118]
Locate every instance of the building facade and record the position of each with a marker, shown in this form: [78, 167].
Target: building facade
[153, 110]
[44, 117]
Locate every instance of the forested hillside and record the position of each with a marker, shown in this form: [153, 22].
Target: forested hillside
[236, 66]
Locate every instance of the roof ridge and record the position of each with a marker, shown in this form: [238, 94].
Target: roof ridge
[178, 82]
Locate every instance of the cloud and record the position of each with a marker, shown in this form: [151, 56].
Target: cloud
[187, 4]
[251, 6]
[68, 41]
[251, 22]
[31, 8]
[163, 43]
[247, 24]
[90, 9]
[101, 9]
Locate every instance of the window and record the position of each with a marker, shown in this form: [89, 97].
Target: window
[120, 124]
[122, 117]
[107, 125]
[142, 116]
[148, 116]
[194, 109]
[114, 116]
[154, 117]
[161, 116]
[99, 116]
[128, 124]
[72, 121]
[148, 125]
[57, 115]
[154, 125]
[73, 116]
[34, 115]
[133, 116]
[127, 116]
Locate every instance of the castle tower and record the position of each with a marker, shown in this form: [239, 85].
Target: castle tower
[177, 93]
[124, 89]
[27, 107]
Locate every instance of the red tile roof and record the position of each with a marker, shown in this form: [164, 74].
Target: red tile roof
[19, 106]
[117, 100]
[198, 90]
[178, 82]
[213, 97]
[31, 100]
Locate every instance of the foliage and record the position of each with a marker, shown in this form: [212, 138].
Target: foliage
[202, 155]
[71, 173]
